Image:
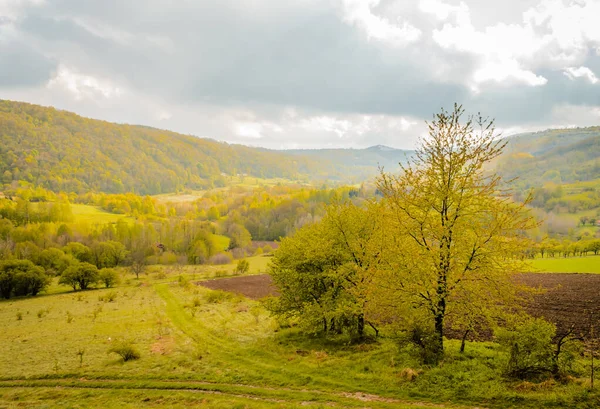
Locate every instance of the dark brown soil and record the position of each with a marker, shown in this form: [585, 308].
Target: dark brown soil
[570, 299]
[255, 287]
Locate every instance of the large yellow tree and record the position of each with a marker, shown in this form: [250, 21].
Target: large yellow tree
[457, 236]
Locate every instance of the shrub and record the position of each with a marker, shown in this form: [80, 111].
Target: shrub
[424, 339]
[81, 275]
[21, 277]
[125, 350]
[243, 266]
[217, 296]
[221, 258]
[108, 297]
[530, 349]
[109, 277]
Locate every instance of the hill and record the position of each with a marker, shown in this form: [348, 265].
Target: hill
[66, 152]
[63, 151]
[359, 163]
[557, 155]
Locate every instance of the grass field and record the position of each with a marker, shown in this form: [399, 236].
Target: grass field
[213, 349]
[94, 215]
[249, 182]
[587, 264]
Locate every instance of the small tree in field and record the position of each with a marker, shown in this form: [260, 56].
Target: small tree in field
[138, 262]
[81, 275]
[242, 267]
[109, 277]
[458, 235]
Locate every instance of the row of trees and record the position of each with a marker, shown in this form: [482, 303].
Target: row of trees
[438, 250]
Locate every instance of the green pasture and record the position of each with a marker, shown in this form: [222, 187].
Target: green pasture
[584, 264]
[214, 349]
[94, 215]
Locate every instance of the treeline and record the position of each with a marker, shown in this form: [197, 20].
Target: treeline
[567, 198]
[567, 248]
[221, 226]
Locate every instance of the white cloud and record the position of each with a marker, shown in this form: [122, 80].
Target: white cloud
[360, 13]
[164, 115]
[13, 8]
[581, 72]
[443, 11]
[82, 86]
[552, 35]
[255, 130]
[327, 124]
[501, 49]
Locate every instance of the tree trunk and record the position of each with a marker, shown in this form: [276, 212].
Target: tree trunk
[439, 332]
[361, 326]
[463, 341]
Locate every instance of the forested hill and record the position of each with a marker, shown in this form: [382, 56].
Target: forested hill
[62, 151]
[557, 155]
[66, 152]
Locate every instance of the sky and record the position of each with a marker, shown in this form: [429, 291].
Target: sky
[306, 73]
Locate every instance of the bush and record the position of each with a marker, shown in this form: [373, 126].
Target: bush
[424, 339]
[217, 296]
[221, 258]
[21, 277]
[109, 277]
[243, 266]
[108, 297]
[81, 275]
[125, 350]
[530, 349]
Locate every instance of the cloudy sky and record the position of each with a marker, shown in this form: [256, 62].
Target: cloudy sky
[305, 73]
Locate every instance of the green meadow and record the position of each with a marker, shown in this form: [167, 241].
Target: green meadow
[585, 264]
[214, 349]
[94, 215]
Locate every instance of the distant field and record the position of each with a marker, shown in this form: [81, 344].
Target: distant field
[232, 181]
[93, 214]
[258, 264]
[587, 264]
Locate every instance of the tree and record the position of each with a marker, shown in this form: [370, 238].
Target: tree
[81, 275]
[242, 267]
[138, 262]
[459, 237]
[21, 277]
[116, 253]
[322, 271]
[109, 277]
[240, 237]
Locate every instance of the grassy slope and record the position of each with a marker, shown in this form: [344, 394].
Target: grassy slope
[588, 264]
[92, 214]
[225, 353]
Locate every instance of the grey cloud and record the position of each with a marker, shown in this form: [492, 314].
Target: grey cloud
[265, 56]
[21, 65]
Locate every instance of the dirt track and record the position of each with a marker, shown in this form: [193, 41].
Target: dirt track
[569, 300]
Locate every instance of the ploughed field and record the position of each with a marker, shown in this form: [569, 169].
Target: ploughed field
[569, 299]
